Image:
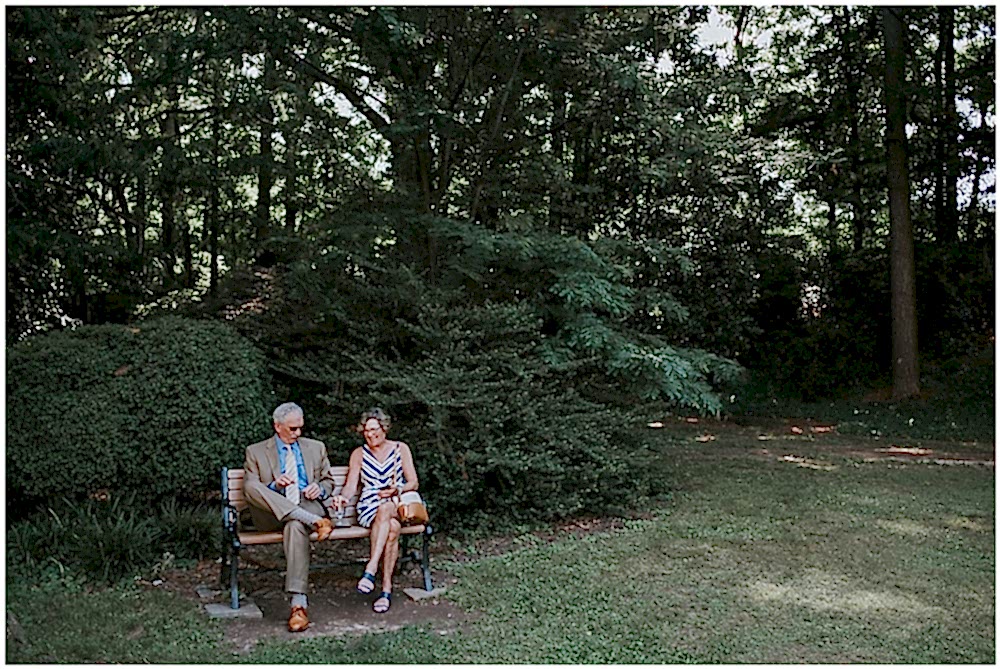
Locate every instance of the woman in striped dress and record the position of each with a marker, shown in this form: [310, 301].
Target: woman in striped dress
[375, 465]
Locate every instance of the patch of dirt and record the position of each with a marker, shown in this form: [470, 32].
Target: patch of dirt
[335, 608]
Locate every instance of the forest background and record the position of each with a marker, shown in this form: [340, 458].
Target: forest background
[508, 226]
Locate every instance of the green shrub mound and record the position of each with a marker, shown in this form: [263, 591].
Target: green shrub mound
[499, 437]
[153, 409]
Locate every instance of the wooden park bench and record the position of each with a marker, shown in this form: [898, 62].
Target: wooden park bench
[237, 535]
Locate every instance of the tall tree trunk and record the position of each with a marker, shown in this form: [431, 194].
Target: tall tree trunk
[851, 82]
[168, 194]
[950, 127]
[213, 201]
[946, 158]
[940, 215]
[265, 172]
[905, 370]
[831, 224]
[141, 211]
[213, 239]
[558, 195]
[291, 175]
[972, 212]
[186, 239]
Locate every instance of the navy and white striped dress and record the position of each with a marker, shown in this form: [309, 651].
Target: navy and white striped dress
[376, 475]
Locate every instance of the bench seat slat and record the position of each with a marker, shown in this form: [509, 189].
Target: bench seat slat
[354, 532]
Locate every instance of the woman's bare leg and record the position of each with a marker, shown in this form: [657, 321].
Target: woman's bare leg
[380, 535]
[391, 553]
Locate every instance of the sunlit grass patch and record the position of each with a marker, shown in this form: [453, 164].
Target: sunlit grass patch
[905, 527]
[973, 524]
[824, 591]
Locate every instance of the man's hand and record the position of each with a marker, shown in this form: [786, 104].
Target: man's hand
[283, 481]
[311, 491]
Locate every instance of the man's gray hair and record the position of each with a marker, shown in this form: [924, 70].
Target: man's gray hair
[286, 411]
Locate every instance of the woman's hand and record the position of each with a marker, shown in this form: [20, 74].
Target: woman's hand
[339, 501]
[385, 493]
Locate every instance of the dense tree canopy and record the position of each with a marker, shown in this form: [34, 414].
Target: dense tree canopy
[635, 206]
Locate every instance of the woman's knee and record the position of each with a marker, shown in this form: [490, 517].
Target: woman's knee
[386, 512]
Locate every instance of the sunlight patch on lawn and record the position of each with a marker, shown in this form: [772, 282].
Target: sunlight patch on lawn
[823, 592]
[905, 526]
[963, 523]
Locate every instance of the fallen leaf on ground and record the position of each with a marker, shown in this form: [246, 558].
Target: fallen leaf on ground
[821, 429]
[796, 429]
[907, 451]
[691, 420]
[705, 437]
[654, 424]
[765, 437]
[810, 464]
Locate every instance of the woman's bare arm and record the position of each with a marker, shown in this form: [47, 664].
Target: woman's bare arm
[353, 475]
[409, 471]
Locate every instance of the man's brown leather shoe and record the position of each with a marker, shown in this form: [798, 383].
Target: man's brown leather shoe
[324, 528]
[298, 620]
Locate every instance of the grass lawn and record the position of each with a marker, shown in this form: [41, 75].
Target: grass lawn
[753, 559]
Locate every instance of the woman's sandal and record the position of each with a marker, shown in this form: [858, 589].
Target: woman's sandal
[368, 583]
[387, 596]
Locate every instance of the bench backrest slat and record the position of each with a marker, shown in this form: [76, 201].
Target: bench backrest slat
[238, 501]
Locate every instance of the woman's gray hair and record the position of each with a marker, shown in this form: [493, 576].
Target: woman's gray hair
[286, 411]
[378, 414]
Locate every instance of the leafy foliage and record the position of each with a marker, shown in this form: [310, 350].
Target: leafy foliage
[105, 541]
[616, 201]
[502, 377]
[155, 409]
[838, 340]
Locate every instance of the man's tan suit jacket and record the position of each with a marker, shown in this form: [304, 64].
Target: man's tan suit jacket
[262, 468]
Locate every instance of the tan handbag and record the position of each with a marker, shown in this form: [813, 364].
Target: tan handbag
[409, 505]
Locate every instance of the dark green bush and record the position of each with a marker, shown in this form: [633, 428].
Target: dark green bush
[498, 435]
[154, 409]
[506, 368]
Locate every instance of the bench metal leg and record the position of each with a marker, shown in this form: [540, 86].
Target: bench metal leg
[234, 579]
[225, 566]
[425, 562]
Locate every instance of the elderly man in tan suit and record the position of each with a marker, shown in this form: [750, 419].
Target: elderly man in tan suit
[285, 483]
